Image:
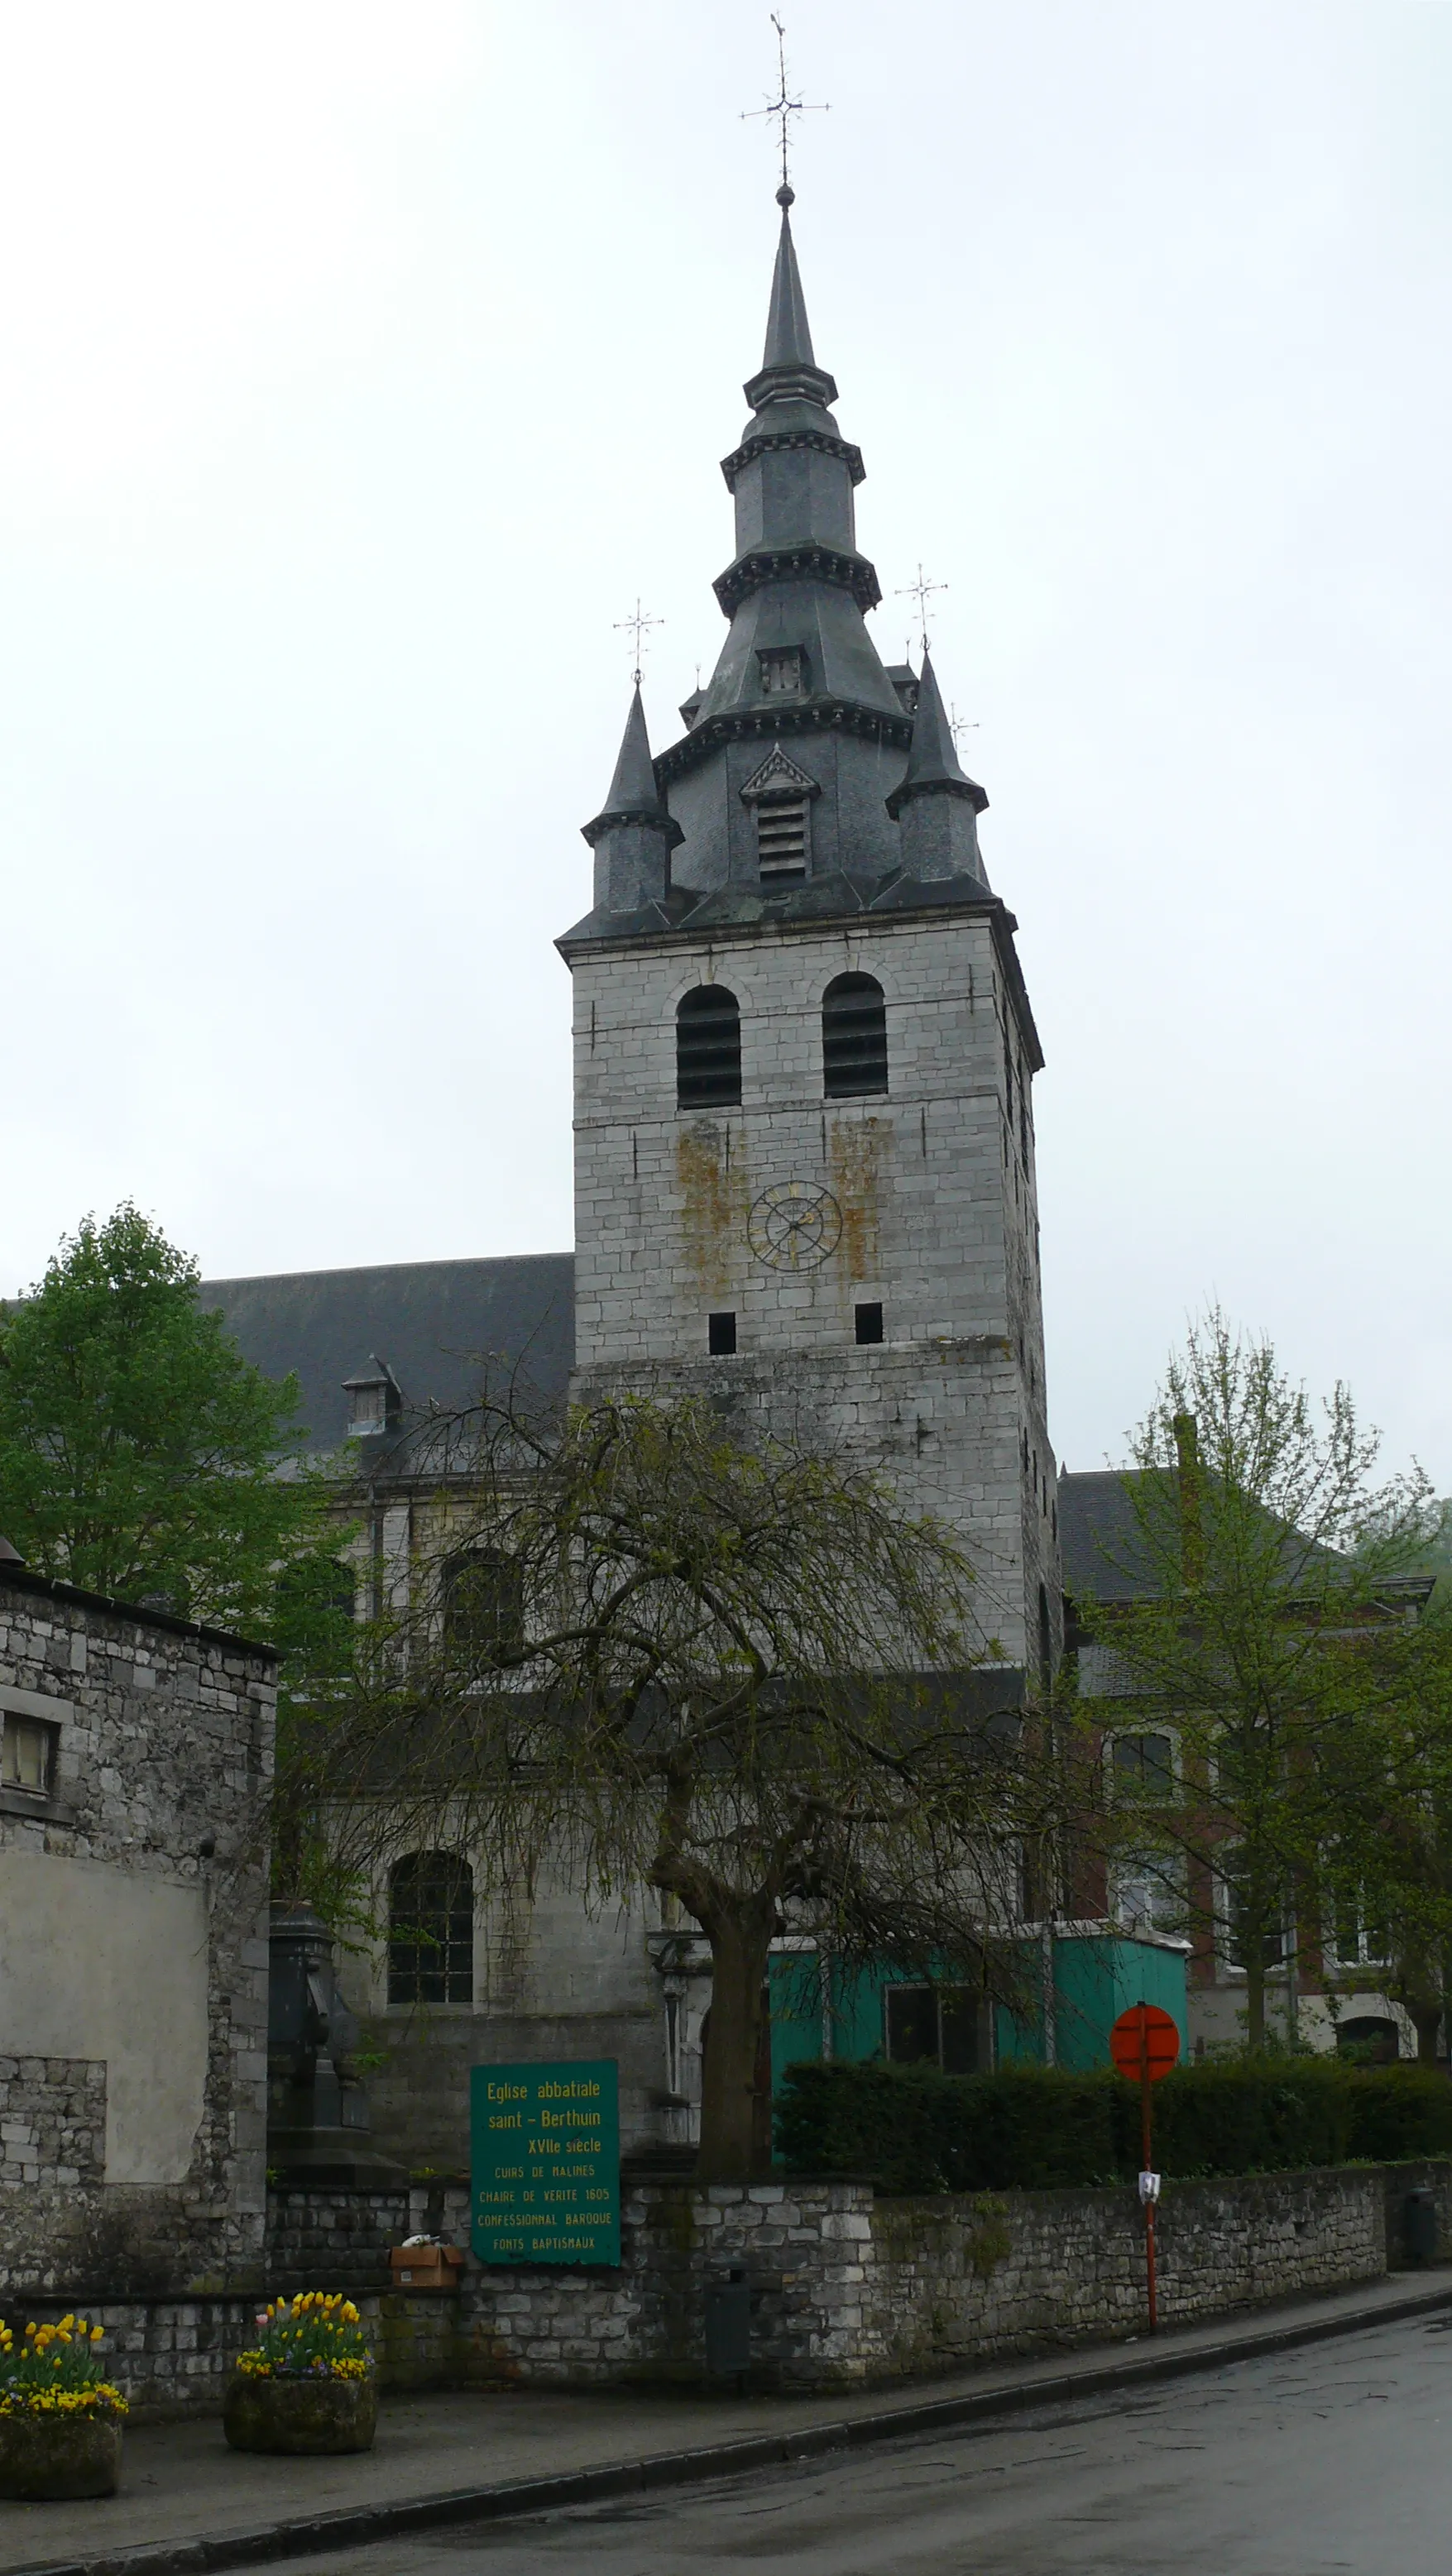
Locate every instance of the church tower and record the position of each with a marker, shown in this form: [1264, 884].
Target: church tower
[804, 1054]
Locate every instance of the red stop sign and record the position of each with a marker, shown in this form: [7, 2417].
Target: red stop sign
[1145, 2043]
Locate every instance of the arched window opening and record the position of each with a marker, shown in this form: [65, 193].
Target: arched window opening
[708, 1049]
[854, 1037]
[431, 1929]
[483, 1605]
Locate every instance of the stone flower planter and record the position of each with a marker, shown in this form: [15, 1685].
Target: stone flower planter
[47, 2458]
[300, 2414]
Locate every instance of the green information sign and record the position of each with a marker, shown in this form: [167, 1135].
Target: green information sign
[547, 2163]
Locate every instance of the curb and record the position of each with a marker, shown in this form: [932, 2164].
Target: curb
[370, 2523]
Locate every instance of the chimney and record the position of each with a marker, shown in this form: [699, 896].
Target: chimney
[1192, 1533]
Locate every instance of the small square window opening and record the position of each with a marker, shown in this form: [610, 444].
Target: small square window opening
[869, 1323]
[721, 1336]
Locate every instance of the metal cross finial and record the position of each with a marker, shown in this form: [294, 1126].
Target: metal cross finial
[922, 591]
[784, 107]
[638, 626]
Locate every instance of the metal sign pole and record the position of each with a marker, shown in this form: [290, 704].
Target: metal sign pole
[1147, 2171]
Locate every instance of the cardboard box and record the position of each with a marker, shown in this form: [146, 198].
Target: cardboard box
[424, 2267]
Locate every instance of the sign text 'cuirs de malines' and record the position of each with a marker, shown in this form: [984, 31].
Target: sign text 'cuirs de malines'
[547, 2163]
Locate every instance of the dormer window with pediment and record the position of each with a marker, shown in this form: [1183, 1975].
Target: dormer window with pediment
[783, 671]
[780, 796]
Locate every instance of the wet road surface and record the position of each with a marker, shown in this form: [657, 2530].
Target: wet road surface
[1334, 2460]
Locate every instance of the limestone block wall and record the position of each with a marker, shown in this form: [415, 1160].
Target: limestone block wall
[934, 1194]
[133, 1949]
[845, 2291]
[848, 2291]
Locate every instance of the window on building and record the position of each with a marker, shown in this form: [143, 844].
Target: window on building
[721, 1336]
[1249, 1916]
[1147, 1892]
[932, 2026]
[783, 671]
[708, 1049]
[1143, 1767]
[854, 1037]
[431, 1929]
[29, 1747]
[869, 1323]
[1359, 1939]
[781, 838]
[483, 1604]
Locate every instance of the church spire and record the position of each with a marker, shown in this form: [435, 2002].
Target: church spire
[632, 836]
[788, 332]
[789, 370]
[936, 806]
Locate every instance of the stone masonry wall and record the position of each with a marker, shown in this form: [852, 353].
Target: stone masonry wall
[935, 1217]
[52, 2122]
[133, 1951]
[845, 2291]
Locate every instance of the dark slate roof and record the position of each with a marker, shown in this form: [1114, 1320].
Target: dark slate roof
[432, 1322]
[1098, 1539]
[1102, 1550]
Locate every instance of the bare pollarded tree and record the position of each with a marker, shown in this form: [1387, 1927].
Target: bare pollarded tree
[738, 1674]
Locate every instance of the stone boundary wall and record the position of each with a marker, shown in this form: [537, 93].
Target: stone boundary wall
[846, 2291]
[172, 2357]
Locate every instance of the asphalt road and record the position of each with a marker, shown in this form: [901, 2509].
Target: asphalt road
[1333, 2460]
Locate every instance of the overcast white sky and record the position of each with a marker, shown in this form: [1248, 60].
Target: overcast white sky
[359, 364]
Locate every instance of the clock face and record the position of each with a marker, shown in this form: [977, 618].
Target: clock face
[793, 1226]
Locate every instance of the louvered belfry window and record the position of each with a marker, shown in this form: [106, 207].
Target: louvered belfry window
[854, 1037]
[708, 1049]
[781, 839]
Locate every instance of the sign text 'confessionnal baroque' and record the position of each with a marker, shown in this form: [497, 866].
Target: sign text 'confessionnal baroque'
[546, 2163]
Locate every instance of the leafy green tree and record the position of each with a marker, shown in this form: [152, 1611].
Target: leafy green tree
[140, 1454]
[1256, 1613]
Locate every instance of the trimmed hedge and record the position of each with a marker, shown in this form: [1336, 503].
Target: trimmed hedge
[1044, 2128]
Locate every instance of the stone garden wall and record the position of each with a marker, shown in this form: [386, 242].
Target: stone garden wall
[845, 2291]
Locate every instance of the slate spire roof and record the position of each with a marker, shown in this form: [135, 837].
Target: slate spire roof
[632, 795]
[933, 765]
[788, 332]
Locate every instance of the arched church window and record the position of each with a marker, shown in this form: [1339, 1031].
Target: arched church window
[431, 1929]
[483, 1605]
[708, 1049]
[854, 1037]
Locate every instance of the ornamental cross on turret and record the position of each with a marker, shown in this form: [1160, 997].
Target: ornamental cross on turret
[784, 107]
[921, 590]
[637, 626]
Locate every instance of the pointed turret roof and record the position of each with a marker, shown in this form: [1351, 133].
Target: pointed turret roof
[789, 370]
[788, 332]
[633, 796]
[633, 789]
[933, 765]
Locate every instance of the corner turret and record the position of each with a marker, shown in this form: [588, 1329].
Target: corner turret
[633, 835]
[935, 806]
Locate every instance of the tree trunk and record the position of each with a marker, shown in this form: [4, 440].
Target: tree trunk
[740, 1951]
[1254, 1996]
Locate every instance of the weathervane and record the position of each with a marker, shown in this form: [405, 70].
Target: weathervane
[637, 626]
[785, 107]
[959, 725]
[922, 591]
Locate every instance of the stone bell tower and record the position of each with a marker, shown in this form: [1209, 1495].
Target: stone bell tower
[804, 1053]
